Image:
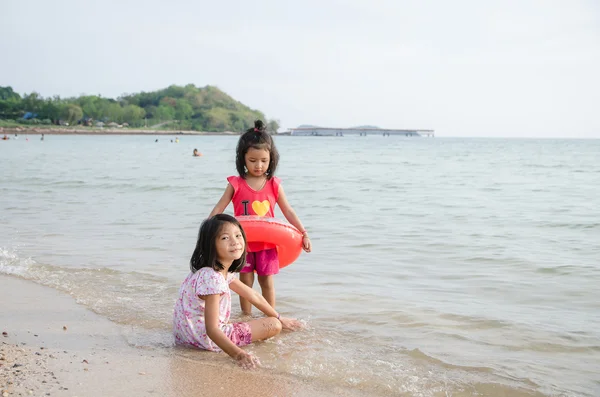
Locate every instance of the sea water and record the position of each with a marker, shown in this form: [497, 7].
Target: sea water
[440, 267]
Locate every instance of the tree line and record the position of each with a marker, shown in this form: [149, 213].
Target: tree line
[175, 107]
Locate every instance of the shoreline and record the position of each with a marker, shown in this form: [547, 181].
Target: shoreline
[104, 131]
[50, 345]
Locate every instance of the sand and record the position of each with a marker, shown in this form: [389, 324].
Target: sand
[51, 346]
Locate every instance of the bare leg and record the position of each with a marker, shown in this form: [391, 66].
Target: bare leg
[264, 328]
[248, 279]
[267, 286]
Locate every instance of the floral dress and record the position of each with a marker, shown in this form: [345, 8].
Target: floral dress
[188, 318]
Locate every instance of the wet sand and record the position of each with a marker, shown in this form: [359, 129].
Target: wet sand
[51, 346]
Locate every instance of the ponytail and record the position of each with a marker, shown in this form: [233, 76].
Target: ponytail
[259, 126]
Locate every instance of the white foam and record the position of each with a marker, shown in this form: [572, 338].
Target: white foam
[12, 264]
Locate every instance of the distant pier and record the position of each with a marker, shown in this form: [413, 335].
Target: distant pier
[322, 131]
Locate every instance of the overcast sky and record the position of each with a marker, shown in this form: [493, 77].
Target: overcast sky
[463, 67]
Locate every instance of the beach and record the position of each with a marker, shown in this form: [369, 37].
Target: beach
[463, 267]
[51, 346]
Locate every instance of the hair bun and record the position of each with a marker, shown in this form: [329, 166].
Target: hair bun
[259, 125]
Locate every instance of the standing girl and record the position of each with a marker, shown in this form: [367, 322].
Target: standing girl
[201, 316]
[255, 192]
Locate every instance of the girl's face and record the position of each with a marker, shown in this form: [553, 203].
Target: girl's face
[257, 161]
[230, 244]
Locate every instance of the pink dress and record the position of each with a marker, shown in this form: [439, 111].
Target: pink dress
[247, 201]
[262, 258]
[188, 318]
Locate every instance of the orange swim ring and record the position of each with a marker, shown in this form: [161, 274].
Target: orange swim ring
[284, 236]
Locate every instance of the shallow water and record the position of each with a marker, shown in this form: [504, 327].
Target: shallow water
[443, 267]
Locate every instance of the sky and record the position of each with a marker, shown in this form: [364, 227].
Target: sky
[494, 68]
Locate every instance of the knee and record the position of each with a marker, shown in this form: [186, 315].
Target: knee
[277, 327]
[269, 328]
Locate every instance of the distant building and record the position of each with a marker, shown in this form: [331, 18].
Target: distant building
[361, 131]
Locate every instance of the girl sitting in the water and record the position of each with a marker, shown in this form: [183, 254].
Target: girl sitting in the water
[203, 308]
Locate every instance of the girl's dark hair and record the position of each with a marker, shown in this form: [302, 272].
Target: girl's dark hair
[205, 254]
[257, 138]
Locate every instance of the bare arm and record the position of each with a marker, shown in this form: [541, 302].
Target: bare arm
[214, 332]
[261, 304]
[292, 218]
[211, 320]
[223, 201]
[256, 299]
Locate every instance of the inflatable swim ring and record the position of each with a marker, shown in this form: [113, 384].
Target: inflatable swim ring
[284, 236]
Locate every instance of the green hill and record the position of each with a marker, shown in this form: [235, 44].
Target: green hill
[188, 108]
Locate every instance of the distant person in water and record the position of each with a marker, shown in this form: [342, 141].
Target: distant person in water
[156, 140]
[42, 138]
[197, 153]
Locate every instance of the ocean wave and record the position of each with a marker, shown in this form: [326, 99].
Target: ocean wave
[133, 186]
[571, 226]
[326, 353]
[148, 298]
[12, 264]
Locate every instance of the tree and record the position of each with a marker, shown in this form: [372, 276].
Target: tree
[72, 113]
[133, 115]
[183, 110]
[113, 112]
[164, 113]
[52, 109]
[7, 93]
[273, 126]
[32, 102]
[91, 106]
[150, 111]
[203, 108]
[11, 105]
[175, 91]
[217, 119]
[168, 101]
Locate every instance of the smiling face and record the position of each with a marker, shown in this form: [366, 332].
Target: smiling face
[230, 244]
[257, 161]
